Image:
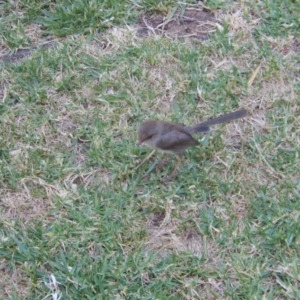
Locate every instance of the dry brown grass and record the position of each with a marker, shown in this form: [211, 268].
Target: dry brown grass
[13, 281]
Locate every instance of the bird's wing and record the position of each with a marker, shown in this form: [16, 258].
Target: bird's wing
[176, 141]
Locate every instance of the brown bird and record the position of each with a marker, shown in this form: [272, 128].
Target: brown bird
[175, 138]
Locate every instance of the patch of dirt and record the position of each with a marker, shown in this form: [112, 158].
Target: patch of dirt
[164, 238]
[23, 53]
[212, 288]
[22, 206]
[195, 23]
[35, 35]
[295, 45]
[13, 281]
[156, 220]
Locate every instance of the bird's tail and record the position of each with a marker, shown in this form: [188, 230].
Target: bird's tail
[205, 126]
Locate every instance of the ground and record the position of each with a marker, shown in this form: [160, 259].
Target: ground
[84, 213]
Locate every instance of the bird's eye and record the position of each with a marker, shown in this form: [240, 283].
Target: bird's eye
[150, 137]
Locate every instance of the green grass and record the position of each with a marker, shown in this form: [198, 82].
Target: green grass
[80, 219]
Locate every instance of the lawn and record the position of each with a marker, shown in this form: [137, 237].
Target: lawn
[85, 214]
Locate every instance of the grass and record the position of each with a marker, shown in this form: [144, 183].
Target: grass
[82, 219]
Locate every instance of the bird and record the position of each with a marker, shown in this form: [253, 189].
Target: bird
[175, 138]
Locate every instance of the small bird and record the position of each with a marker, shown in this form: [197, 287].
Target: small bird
[175, 138]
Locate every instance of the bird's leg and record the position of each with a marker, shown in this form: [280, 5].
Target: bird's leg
[173, 174]
[163, 162]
